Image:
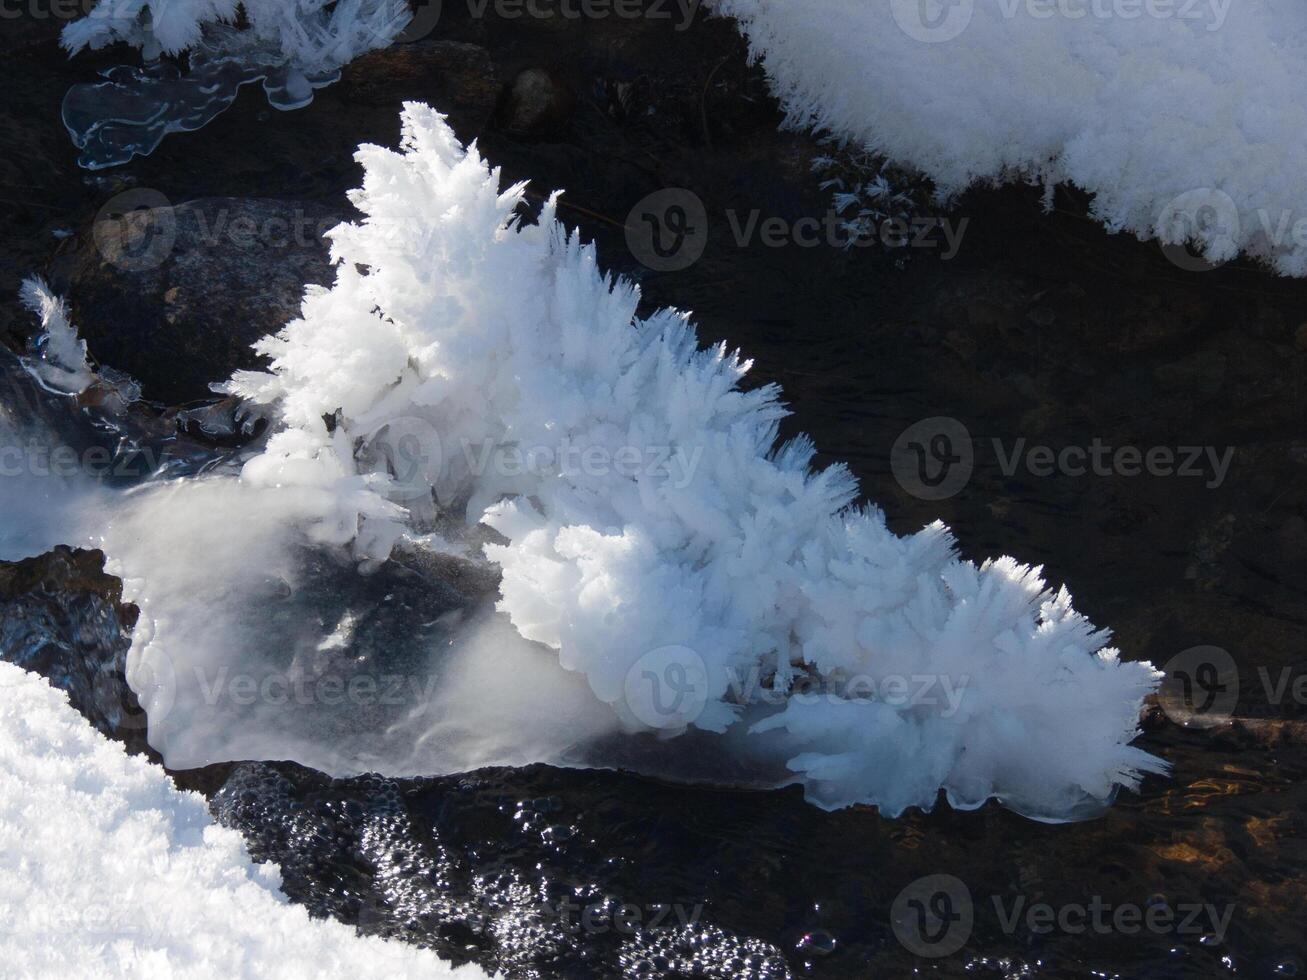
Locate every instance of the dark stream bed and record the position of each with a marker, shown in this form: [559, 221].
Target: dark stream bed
[1043, 331]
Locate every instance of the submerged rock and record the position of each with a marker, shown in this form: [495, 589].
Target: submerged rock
[176, 295]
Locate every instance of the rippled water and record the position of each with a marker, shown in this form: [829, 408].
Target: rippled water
[1044, 328]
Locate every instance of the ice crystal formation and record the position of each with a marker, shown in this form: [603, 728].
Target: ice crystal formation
[473, 388]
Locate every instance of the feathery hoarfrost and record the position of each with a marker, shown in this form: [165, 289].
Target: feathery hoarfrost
[1185, 121]
[60, 361]
[292, 46]
[109, 871]
[469, 365]
[313, 35]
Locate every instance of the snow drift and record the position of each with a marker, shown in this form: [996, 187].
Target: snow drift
[107, 870]
[1184, 120]
[474, 389]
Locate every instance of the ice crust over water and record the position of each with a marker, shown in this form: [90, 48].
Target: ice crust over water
[292, 46]
[107, 870]
[1185, 121]
[676, 582]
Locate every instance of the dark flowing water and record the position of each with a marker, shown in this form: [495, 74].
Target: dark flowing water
[1044, 328]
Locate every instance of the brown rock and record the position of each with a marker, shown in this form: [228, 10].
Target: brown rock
[458, 79]
[176, 296]
[538, 102]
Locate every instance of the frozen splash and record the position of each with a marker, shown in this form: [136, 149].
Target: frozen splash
[293, 48]
[474, 409]
[133, 109]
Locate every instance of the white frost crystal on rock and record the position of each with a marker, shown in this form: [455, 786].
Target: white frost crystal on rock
[656, 508]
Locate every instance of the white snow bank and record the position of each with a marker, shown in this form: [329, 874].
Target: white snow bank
[107, 870]
[656, 537]
[1184, 118]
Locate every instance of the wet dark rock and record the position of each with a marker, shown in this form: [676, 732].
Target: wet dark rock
[176, 295]
[537, 103]
[62, 617]
[1202, 373]
[18, 32]
[229, 422]
[406, 858]
[455, 77]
